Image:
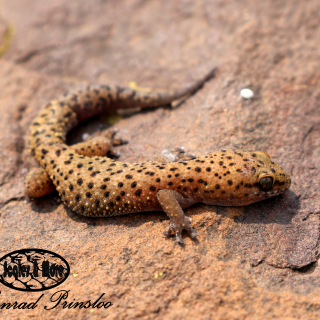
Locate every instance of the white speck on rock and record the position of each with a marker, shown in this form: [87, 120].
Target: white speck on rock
[246, 93]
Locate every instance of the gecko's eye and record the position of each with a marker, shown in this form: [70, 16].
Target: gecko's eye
[266, 183]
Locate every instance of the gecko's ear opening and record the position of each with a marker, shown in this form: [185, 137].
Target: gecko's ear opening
[266, 183]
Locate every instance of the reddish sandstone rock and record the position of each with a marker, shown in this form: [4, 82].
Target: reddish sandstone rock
[255, 262]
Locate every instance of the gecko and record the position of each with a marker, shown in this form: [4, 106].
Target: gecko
[92, 182]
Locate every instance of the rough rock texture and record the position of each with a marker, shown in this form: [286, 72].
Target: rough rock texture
[256, 262]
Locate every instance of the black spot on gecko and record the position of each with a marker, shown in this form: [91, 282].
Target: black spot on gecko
[197, 169]
[93, 174]
[138, 192]
[79, 181]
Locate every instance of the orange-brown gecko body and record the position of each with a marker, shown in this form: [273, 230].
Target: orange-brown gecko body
[93, 185]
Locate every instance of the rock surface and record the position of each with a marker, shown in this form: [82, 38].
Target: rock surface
[255, 262]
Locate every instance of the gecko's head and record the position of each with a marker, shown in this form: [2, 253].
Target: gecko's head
[267, 179]
[249, 177]
[272, 178]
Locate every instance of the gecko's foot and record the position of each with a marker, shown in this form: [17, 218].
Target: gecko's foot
[115, 141]
[178, 154]
[102, 145]
[178, 227]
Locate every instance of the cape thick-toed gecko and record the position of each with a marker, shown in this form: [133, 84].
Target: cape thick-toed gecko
[96, 186]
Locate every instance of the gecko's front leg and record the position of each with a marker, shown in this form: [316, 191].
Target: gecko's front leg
[171, 202]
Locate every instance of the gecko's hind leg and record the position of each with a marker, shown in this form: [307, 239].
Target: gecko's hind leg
[100, 146]
[38, 183]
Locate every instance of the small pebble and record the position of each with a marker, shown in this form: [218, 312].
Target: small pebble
[246, 93]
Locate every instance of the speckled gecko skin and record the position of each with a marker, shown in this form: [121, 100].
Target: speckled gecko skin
[94, 185]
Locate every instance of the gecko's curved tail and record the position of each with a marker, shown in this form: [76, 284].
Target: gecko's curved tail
[59, 116]
[97, 99]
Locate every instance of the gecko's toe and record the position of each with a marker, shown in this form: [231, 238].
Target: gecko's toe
[114, 140]
[111, 133]
[179, 238]
[187, 226]
[177, 228]
[192, 233]
[176, 231]
[168, 233]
